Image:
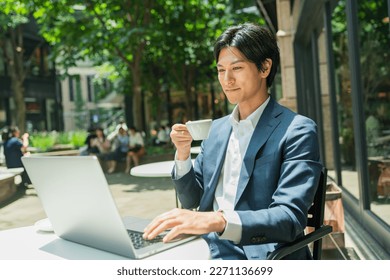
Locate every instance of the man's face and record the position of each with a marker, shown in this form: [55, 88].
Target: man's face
[240, 79]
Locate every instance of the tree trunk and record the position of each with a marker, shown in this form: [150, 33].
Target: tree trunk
[137, 105]
[20, 106]
[14, 49]
[137, 100]
[189, 92]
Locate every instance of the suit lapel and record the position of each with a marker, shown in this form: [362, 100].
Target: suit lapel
[266, 125]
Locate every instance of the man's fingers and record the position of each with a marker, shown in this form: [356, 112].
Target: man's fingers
[160, 224]
[172, 234]
[165, 225]
[177, 221]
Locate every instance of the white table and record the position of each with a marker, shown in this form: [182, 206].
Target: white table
[28, 243]
[156, 169]
[195, 150]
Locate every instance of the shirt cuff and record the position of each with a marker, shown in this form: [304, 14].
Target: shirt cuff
[233, 227]
[182, 167]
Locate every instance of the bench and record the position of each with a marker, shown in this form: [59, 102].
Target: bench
[9, 179]
[74, 152]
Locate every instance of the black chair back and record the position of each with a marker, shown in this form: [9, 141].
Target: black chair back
[316, 212]
[315, 220]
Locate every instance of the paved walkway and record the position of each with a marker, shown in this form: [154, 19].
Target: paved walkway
[134, 196]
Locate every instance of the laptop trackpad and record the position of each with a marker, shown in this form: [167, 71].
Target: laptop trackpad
[135, 223]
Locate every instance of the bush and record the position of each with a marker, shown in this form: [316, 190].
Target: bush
[63, 138]
[77, 138]
[42, 141]
[158, 150]
[46, 141]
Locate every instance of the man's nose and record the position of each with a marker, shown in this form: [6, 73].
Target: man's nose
[228, 78]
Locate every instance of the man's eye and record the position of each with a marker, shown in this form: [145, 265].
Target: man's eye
[237, 68]
[221, 70]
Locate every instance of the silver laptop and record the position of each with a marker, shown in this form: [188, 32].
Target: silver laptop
[77, 200]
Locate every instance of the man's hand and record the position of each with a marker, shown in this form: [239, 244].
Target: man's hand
[182, 139]
[182, 221]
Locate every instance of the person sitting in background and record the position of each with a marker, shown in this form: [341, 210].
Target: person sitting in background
[121, 143]
[121, 124]
[99, 144]
[87, 149]
[14, 149]
[162, 136]
[168, 132]
[136, 148]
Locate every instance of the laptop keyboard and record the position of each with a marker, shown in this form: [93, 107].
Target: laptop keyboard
[139, 242]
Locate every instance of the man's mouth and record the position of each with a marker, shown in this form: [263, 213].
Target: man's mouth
[232, 89]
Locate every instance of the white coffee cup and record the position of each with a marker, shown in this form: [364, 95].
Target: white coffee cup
[200, 129]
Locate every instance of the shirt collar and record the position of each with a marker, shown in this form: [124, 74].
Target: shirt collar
[253, 118]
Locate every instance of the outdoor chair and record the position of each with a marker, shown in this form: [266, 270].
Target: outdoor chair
[315, 220]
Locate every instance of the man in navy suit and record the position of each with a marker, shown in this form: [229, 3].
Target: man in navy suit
[255, 178]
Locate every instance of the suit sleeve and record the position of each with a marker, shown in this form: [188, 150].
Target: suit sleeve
[189, 189]
[300, 168]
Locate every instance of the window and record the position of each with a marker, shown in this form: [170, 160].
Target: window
[71, 88]
[90, 88]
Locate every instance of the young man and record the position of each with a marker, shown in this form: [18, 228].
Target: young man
[256, 176]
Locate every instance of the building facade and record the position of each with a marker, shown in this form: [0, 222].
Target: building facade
[82, 105]
[43, 104]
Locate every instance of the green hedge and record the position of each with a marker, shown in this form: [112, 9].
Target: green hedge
[47, 141]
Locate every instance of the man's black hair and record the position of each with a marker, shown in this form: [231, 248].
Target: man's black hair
[255, 42]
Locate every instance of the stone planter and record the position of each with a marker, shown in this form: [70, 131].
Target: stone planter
[7, 187]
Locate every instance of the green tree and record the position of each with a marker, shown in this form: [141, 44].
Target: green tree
[112, 31]
[13, 17]
[175, 36]
[180, 51]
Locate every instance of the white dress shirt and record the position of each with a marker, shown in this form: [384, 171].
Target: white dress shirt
[226, 191]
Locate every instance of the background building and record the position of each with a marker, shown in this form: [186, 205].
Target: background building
[89, 100]
[43, 103]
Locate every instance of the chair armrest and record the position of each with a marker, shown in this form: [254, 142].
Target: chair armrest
[299, 243]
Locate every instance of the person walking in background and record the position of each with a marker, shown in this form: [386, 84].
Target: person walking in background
[256, 175]
[14, 149]
[136, 148]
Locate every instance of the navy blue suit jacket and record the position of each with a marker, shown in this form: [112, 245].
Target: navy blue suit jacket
[277, 183]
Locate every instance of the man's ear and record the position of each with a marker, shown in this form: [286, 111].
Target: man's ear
[267, 65]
